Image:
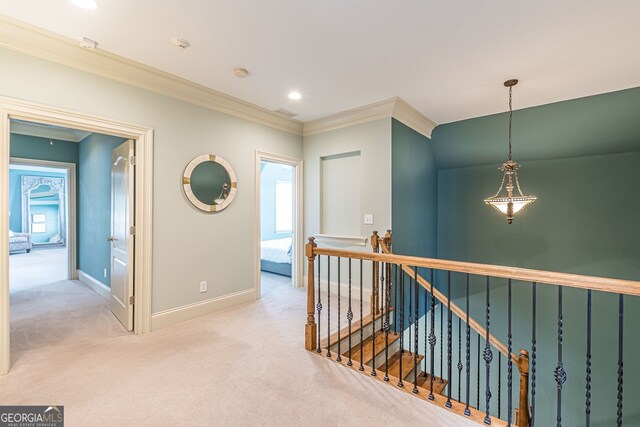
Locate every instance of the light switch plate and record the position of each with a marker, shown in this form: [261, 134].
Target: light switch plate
[368, 219]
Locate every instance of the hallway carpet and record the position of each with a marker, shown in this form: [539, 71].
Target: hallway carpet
[244, 366]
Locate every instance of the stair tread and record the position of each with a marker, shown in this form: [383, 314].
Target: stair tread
[408, 364]
[355, 327]
[439, 384]
[367, 346]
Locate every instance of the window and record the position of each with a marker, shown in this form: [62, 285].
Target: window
[284, 207]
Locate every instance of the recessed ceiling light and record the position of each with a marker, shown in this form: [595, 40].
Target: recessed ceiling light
[240, 72]
[295, 95]
[180, 43]
[86, 4]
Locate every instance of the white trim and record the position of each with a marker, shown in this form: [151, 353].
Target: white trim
[23, 110]
[95, 285]
[71, 238]
[337, 240]
[394, 107]
[170, 317]
[297, 239]
[21, 37]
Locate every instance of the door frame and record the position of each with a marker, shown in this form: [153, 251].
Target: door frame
[11, 108]
[71, 206]
[297, 263]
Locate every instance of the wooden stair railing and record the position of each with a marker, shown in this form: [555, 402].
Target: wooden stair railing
[385, 352]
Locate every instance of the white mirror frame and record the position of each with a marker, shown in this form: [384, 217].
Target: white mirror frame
[186, 183]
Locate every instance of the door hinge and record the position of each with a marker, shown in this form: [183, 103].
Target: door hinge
[131, 300]
[132, 160]
[132, 230]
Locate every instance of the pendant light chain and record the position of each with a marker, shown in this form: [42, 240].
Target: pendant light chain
[510, 119]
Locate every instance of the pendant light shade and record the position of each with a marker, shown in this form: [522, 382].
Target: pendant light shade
[509, 199]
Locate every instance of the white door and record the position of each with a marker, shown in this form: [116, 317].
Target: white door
[122, 179]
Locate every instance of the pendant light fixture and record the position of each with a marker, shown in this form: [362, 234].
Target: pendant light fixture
[505, 201]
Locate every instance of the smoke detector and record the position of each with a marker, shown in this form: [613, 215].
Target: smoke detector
[180, 43]
[240, 72]
[87, 43]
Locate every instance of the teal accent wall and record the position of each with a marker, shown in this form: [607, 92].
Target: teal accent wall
[580, 158]
[94, 205]
[269, 174]
[33, 147]
[15, 197]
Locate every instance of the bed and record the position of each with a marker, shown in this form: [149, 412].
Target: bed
[275, 256]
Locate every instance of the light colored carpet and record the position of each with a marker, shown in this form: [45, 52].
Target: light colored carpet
[36, 268]
[242, 366]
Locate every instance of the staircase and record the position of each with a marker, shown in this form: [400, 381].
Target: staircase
[396, 342]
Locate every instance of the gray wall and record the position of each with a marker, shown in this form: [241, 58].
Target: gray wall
[188, 244]
[94, 205]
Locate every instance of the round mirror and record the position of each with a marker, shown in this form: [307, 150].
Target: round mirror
[209, 183]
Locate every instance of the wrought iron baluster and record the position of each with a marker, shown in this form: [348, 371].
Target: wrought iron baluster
[328, 306]
[319, 306]
[478, 379]
[395, 299]
[349, 315]
[361, 367]
[467, 411]
[416, 332]
[488, 357]
[400, 384]
[588, 393]
[620, 355]
[449, 331]
[410, 316]
[374, 309]
[459, 359]
[432, 338]
[559, 373]
[499, 386]
[441, 343]
[386, 326]
[533, 358]
[509, 361]
[339, 358]
[426, 337]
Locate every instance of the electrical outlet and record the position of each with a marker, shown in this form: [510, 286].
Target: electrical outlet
[368, 219]
[105, 273]
[203, 286]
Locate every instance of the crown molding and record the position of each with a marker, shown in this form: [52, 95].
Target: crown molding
[394, 107]
[21, 37]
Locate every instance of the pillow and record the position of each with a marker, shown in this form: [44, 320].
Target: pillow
[12, 234]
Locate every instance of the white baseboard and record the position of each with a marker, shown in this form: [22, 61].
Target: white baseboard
[172, 316]
[344, 290]
[101, 289]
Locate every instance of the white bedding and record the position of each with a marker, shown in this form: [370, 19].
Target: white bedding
[278, 250]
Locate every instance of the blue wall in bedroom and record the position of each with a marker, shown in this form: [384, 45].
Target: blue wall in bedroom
[94, 205]
[270, 173]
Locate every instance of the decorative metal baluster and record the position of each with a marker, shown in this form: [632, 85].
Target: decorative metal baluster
[488, 357]
[620, 355]
[426, 337]
[416, 332]
[349, 315]
[339, 358]
[361, 367]
[459, 359]
[400, 384]
[588, 393]
[387, 327]
[441, 343]
[533, 359]
[374, 309]
[449, 331]
[328, 306]
[559, 373]
[395, 299]
[432, 337]
[478, 379]
[499, 386]
[509, 361]
[319, 307]
[410, 317]
[467, 411]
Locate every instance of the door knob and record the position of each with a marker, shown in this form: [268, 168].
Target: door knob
[111, 239]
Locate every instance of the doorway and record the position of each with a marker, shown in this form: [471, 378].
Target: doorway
[140, 196]
[278, 239]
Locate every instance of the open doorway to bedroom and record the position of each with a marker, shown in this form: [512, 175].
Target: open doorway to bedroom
[279, 256]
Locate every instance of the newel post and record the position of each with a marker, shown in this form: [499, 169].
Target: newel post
[375, 291]
[310, 328]
[523, 411]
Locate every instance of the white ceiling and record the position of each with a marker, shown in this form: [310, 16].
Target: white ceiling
[447, 59]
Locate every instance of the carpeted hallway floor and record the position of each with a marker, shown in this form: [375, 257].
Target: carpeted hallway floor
[242, 366]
